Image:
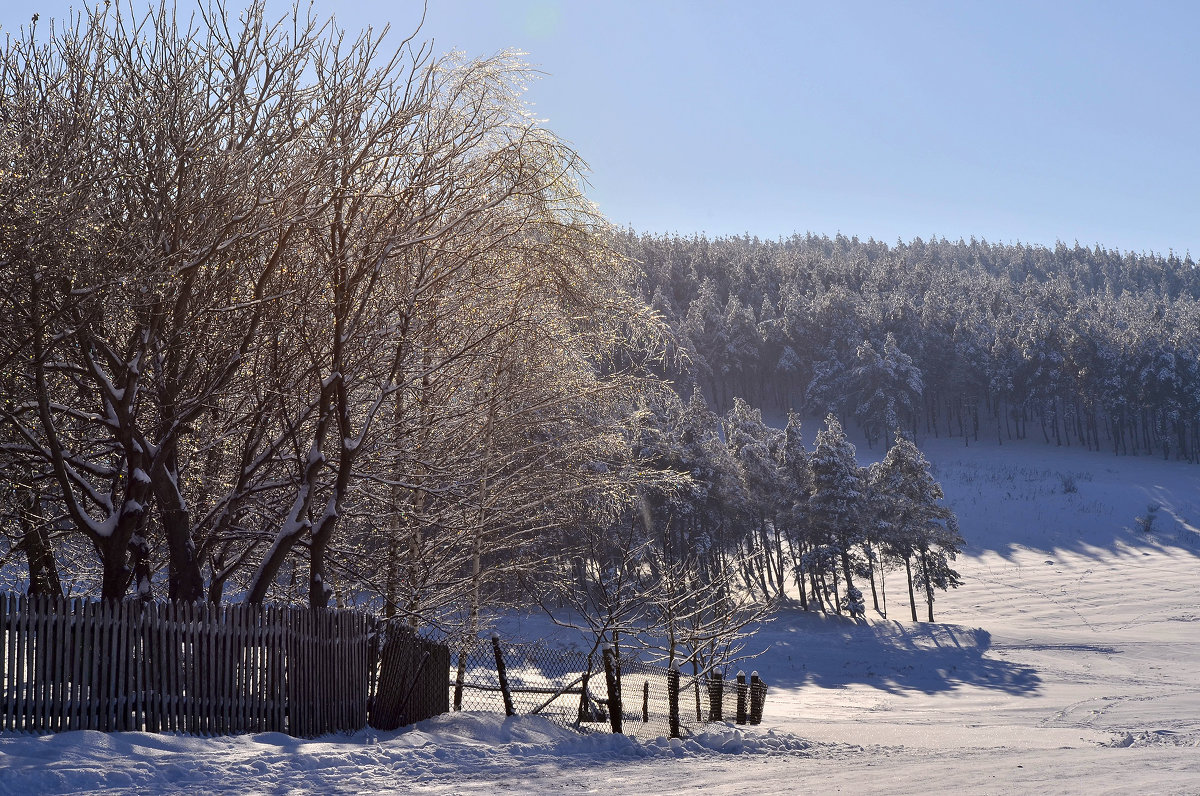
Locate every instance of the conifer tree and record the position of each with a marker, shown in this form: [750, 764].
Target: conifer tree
[836, 502]
[919, 529]
[795, 466]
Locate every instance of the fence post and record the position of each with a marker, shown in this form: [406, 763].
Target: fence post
[460, 676]
[756, 698]
[614, 690]
[741, 697]
[673, 698]
[716, 687]
[645, 701]
[502, 675]
[585, 708]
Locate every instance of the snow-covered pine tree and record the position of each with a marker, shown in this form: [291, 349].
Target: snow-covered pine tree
[752, 444]
[886, 387]
[835, 504]
[795, 468]
[917, 528]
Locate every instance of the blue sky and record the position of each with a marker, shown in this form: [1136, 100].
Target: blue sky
[1008, 121]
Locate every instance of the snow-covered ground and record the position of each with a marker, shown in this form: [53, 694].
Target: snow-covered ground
[1069, 662]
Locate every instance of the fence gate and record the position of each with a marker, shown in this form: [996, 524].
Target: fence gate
[412, 681]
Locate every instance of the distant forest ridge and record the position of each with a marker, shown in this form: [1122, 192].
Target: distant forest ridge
[1075, 345]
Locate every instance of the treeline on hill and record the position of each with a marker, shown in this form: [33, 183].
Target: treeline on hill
[1072, 345]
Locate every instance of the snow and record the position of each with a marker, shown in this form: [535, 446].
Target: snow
[1068, 662]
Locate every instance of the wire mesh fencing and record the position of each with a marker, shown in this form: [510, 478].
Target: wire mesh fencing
[597, 693]
[527, 679]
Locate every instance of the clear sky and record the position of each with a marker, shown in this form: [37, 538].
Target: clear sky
[1032, 121]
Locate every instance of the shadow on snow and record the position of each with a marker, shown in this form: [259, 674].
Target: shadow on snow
[832, 652]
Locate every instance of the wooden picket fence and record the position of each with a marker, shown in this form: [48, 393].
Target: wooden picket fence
[180, 667]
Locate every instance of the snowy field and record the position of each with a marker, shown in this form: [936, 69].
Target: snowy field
[1069, 662]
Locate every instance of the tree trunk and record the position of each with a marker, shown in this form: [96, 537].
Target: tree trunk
[43, 571]
[928, 584]
[871, 570]
[849, 577]
[912, 597]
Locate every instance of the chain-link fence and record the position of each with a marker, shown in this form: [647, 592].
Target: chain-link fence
[562, 685]
[575, 690]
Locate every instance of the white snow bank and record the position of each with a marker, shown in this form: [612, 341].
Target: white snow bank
[456, 748]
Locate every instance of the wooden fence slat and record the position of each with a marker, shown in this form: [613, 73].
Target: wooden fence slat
[70, 664]
[278, 634]
[218, 654]
[62, 655]
[298, 657]
[171, 626]
[109, 666]
[328, 679]
[112, 664]
[262, 688]
[321, 683]
[37, 649]
[101, 665]
[10, 663]
[21, 679]
[331, 678]
[81, 663]
[32, 708]
[290, 697]
[65, 647]
[167, 674]
[30, 668]
[37, 671]
[95, 669]
[236, 689]
[316, 663]
[128, 624]
[316, 686]
[47, 650]
[206, 662]
[206, 630]
[99, 701]
[266, 637]
[232, 654]
[4, 647]
[222, 654]
[246, 667]
[99, 654]
[312, 656]
[62, 661]
[141, 663]
[189, 707]
[274, 677]
[22, 664]
[157, 677]
[232, 657]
